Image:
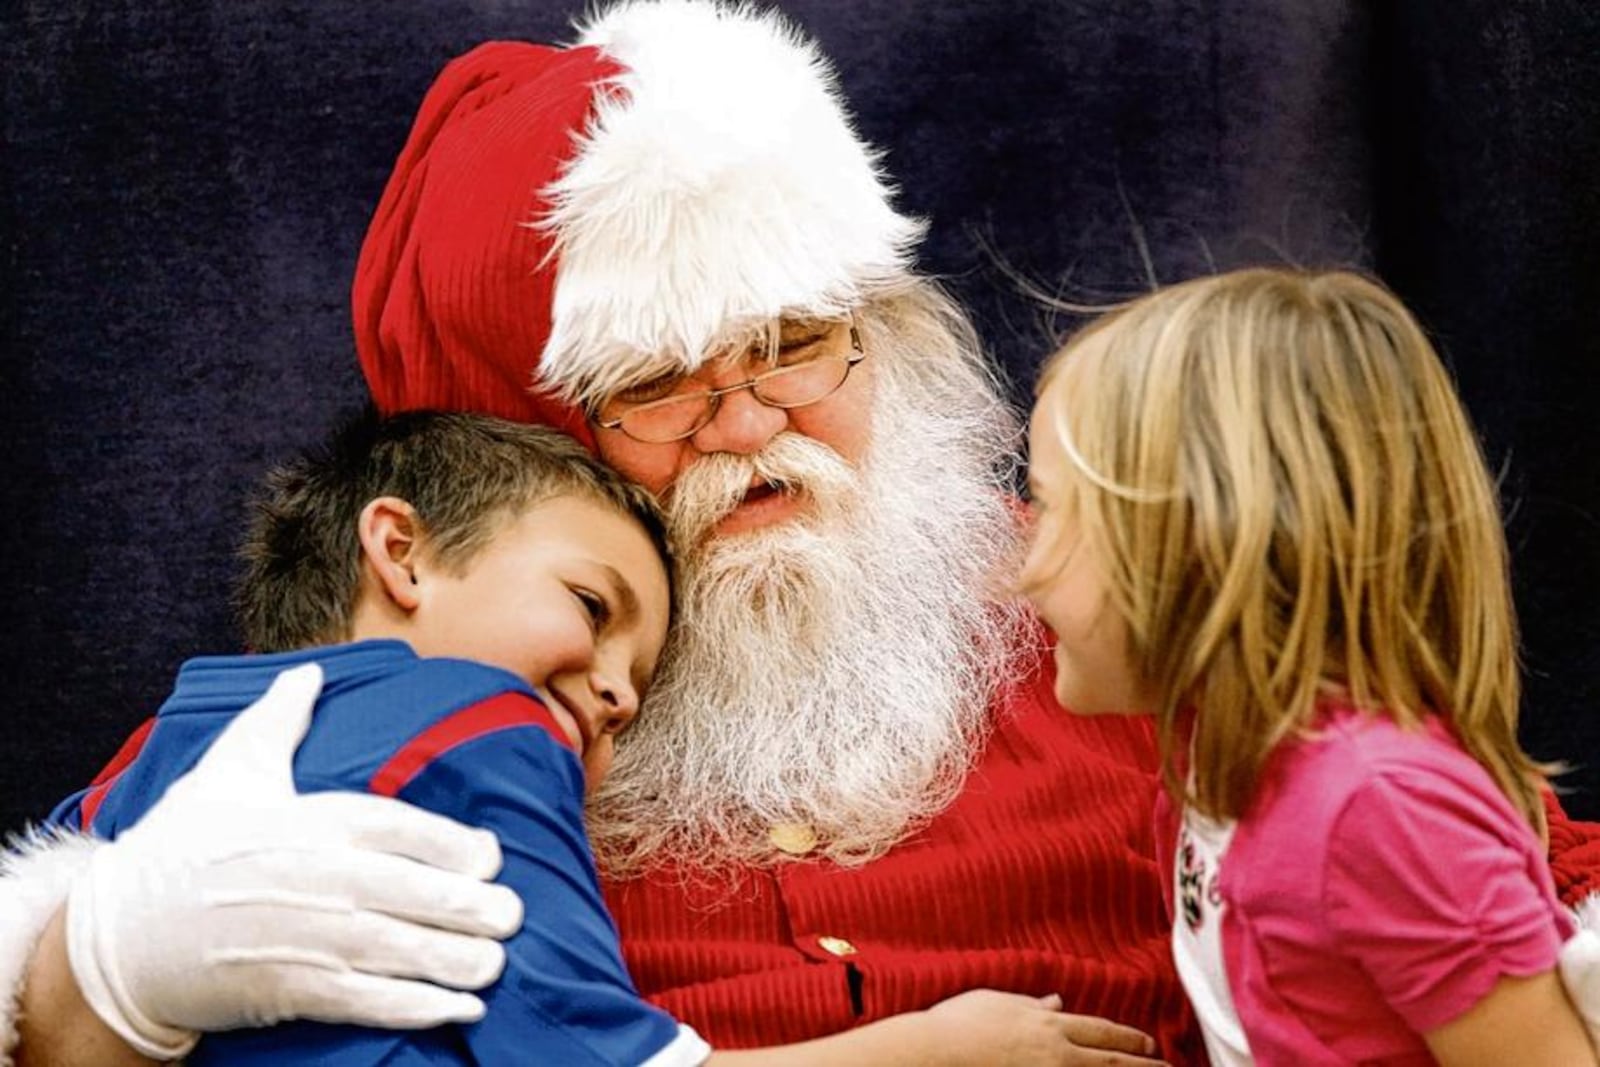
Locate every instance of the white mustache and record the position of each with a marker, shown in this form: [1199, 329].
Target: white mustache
[710, 489]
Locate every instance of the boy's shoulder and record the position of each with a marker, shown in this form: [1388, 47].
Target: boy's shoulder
[413, 686]
[379, 727]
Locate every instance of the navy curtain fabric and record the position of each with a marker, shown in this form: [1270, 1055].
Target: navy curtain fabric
[184, 185]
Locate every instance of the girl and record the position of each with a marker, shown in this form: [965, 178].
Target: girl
[1264, 518]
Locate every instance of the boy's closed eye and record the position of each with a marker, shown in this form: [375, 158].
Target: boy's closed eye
[594, 604]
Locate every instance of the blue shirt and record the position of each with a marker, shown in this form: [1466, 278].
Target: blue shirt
[464, 740]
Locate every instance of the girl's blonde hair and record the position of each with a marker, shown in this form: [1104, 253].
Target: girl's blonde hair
[1290, 502]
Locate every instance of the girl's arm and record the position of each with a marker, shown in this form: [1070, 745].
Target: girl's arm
[1526, 1021]
[1435, 888]
[978, 1027]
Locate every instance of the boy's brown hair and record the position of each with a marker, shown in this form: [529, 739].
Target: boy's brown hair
[462, 473]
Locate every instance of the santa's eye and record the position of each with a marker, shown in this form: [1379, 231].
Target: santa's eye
[644, 392]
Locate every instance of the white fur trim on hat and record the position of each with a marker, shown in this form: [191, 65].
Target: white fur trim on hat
[35, 874]
[723, 188]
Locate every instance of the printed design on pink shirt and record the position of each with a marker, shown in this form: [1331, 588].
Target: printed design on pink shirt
[1198, 890]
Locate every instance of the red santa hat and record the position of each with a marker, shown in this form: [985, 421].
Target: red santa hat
[565, 221]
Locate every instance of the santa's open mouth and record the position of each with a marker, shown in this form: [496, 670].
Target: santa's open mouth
[759, 492]
[763, 504]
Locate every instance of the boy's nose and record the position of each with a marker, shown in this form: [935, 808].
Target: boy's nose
[618, 699]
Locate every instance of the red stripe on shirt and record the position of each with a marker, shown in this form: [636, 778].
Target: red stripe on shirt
[126, 754]
[112, 771]
[500, 712]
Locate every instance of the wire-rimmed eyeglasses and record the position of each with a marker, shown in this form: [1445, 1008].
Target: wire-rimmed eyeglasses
[672, 418]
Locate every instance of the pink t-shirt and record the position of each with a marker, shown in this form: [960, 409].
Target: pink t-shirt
[1378, 886]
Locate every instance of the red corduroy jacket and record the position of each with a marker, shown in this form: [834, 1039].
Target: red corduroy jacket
[1042, 877]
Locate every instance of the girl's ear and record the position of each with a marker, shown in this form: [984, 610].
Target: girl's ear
[390, 536]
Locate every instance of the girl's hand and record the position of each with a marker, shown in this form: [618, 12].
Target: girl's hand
[987, 1027]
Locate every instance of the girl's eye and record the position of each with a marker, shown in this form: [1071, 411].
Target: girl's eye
[595, 605]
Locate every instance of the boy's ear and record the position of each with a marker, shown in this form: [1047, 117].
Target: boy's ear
[390, 535]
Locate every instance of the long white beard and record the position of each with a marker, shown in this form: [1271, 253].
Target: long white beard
[834, 672]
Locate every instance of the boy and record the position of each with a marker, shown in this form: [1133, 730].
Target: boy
[507, 546]
[444, 535]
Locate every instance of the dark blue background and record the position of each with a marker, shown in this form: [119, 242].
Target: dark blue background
[184, 185]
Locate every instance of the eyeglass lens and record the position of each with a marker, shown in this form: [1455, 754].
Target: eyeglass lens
[781, 387]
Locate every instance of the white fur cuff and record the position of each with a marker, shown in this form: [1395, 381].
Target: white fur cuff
[35, 874]
[1587, 912]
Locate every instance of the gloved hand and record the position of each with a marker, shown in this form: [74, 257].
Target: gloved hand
[236, 902]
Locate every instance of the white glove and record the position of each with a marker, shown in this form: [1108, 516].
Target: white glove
[236, 902]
